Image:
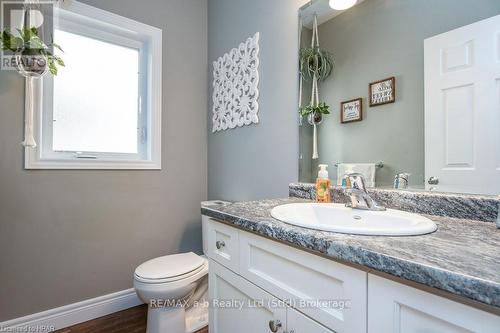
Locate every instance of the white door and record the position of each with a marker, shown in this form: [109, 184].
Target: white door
[462, 109]
[299, 323]
[396, 308]
[239, 306]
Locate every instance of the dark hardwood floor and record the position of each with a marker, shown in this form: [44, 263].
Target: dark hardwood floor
[128, 321]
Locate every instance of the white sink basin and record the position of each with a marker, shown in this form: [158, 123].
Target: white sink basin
[338, 218]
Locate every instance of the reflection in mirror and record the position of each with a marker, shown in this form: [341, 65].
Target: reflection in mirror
[414, 96]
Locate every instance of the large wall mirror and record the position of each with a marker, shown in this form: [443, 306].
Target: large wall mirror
[413, 98]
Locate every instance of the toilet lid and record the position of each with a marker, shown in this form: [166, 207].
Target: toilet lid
[169, 266]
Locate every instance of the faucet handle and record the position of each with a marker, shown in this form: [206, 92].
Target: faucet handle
[357, 180]
[358, 195]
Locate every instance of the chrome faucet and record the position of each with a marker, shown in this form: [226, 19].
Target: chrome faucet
[360, 199]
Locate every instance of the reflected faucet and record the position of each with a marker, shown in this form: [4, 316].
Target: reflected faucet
[360, 199]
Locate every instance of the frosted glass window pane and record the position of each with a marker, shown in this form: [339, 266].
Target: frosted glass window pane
[96, 96]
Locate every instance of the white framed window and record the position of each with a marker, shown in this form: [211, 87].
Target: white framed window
[103, 109]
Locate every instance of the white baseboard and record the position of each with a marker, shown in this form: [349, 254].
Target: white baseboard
[73, 314]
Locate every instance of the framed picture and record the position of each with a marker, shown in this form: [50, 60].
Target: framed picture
[351, 111]
[383, 91]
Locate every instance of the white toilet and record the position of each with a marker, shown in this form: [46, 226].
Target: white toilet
[169, 285]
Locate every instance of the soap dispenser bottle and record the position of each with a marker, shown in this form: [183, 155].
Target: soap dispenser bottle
[323, 185]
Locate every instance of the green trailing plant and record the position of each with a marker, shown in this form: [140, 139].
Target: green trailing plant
[315, 62]
[29, 43]
[315, 65]
[321, 108]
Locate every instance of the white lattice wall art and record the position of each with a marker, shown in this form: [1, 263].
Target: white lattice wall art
[235, 86]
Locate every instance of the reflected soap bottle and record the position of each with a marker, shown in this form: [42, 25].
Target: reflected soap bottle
[346, 181]
[323, 185]
[401, 180]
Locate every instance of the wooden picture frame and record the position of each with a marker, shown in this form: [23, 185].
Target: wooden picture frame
[351, 111]
[382, 92]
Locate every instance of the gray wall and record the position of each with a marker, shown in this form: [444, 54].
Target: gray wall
[66, 236]
[257, 161]
[372, 41]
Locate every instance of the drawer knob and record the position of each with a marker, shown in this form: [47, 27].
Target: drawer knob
[220, 244]
[274, 325]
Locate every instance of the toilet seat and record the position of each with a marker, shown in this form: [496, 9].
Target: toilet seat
[168, 284]
[170, 268]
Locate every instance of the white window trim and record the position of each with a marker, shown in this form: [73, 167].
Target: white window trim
[36, 158]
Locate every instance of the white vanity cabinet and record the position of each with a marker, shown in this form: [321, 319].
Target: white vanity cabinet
[397, 308]
[288, 290]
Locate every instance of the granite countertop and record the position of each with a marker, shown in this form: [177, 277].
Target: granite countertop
[462, 257]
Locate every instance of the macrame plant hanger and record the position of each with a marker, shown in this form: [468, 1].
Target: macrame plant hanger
[29, 136]
[30, 77]
[315, 89]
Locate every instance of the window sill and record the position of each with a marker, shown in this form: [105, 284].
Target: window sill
[40, 164]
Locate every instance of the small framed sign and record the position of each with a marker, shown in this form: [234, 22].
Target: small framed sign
[351, 111]
[383, 91]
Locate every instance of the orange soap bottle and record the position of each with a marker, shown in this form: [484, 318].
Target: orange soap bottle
[323, 185]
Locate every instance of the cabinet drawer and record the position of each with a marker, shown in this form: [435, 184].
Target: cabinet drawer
[223, 245]
[336, 293]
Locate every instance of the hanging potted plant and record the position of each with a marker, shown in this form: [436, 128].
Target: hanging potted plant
[315, 66]
[315, 113]
[315, 62]
[33, 57]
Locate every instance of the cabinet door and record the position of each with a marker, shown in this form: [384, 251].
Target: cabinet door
[239, 306]
[396, 308]
[223, 245]
[299, 323]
